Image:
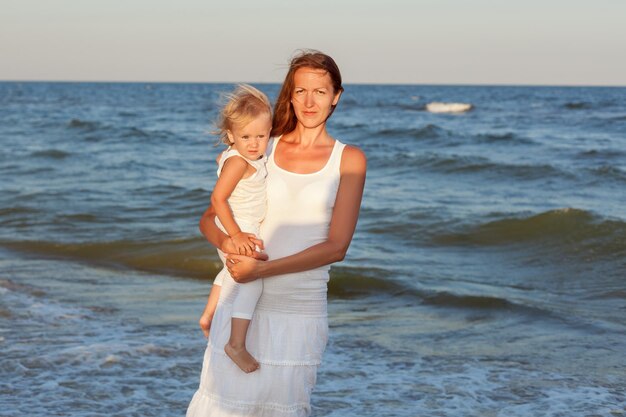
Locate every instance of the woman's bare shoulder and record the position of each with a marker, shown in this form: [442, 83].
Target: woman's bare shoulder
[353, 159]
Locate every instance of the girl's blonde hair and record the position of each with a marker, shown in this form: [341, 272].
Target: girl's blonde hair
[243, 105]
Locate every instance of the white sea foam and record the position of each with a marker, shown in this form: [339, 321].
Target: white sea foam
[111, 359]
[439, 107]
[454, 386]
[68, 350]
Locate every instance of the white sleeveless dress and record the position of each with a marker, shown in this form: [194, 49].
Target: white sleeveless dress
[289, 329]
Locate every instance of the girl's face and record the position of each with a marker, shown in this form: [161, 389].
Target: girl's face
[313, 96]
[250, 140]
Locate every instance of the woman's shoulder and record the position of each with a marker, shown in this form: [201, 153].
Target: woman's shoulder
[353, 159]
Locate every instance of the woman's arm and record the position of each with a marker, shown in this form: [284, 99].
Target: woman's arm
[212, 233]
[341, 230]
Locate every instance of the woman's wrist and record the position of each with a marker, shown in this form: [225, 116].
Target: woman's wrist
[264, 269]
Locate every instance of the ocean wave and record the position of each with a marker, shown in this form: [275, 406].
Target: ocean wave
[10, 285]
[78, 217]
[482, 302]
[193, 258]
[410, 107]
[35, 170]
[51, 153]
[601, 154]
[607, 172]
[10, 168]
[87, 125]
[429, 131]
[98, 131]
[471, 164]
[505, 138]
[566, 229]
[347, 125]
[18, 210]
[135, 132]
[610, 294]
[465, 164]
[189, 258]
[407, 225]
[577, 105]
[348, 282]
[350, 102]
[433, 131]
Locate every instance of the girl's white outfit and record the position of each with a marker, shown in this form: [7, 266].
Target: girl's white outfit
[248, 204]
[289, 328]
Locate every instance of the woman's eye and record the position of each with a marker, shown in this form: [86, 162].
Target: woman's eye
[299, 91]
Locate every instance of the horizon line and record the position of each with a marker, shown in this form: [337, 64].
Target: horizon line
[452, 84]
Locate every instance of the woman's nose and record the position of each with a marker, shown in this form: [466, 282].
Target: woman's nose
[308, 100]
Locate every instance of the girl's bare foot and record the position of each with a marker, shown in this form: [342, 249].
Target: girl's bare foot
[242, 358]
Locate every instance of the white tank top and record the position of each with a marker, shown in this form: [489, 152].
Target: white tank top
[299, 206]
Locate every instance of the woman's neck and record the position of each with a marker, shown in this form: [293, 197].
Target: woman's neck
[307, 137]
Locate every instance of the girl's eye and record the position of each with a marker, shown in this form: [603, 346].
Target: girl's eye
[245, 137]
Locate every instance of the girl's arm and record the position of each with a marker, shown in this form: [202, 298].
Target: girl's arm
[341, 230]
[232, 172]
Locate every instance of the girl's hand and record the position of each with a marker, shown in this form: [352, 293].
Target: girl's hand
[205, 324]
[243, 268]
[228, 246]
[243, 243]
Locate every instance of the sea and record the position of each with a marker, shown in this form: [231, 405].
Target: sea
[486, 277]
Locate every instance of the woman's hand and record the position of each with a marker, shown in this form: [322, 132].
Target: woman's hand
[244, 268]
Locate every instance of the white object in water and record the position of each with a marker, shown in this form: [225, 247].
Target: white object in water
[437, 107]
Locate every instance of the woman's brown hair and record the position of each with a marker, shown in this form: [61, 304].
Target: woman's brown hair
[284, 117]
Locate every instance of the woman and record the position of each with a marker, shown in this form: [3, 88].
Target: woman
[314, 189]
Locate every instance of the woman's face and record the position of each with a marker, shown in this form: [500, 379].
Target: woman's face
[313, 96]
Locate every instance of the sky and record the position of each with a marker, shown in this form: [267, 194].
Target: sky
[530, 42]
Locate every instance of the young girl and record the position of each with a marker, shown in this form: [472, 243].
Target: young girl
[240, 203]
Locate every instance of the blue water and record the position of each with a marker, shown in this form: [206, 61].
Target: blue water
[487, 276]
